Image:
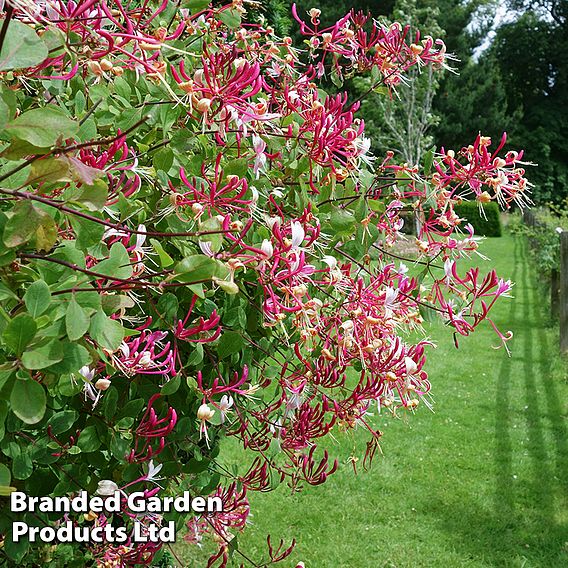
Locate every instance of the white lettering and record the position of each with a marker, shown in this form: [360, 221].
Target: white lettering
[18, 502]
[18, 529]
[136, 502]
[96, 504]
[112, 503]
[198, 504]
[214, 504]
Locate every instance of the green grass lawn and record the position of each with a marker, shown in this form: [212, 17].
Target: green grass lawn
[480, 482]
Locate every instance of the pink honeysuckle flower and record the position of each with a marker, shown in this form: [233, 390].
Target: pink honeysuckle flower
[485, 175]
[234, 385]
[146, 354]
[218, 194]
[152, 428]
[205, 331]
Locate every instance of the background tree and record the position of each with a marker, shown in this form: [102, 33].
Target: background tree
[401, 121]
[529, 53]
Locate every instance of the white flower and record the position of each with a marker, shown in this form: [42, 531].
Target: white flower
[448, 268]
[140, 239]
[390, 296]
[294, 401]
[267, 248]
[410, 365]
[87, 373]
[224, 405]
[330, 261]
[298, 234]
[205, 413]
[259, 146]
[206, 249]
[30, 8]
[103, 384]
[153, 471]
[91, 393]
[106, 487]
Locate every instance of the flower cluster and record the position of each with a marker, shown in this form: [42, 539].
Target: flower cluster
[215, 250]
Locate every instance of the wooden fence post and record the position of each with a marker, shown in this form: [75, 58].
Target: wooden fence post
[554, 293]
[563, 292]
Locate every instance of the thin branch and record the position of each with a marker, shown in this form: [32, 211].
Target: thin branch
[4, 30]
[116, 226]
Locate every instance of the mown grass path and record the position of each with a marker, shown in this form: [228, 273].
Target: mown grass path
[483, 481]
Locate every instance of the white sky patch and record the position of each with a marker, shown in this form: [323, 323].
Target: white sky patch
[503, 15]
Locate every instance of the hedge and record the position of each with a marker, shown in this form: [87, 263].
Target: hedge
[488, 225]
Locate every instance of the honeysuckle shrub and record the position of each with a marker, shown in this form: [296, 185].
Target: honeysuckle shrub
[485, 220]
[197, 243]
[544, 236]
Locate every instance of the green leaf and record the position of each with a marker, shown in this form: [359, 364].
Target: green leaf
[89, 440]
[196, 5]
[48, 170]
[19, 332]
[336, 77]
[128, 118]
[215, 240]
[4, 115]
[6, 293]
[46, 232]
[163, 160]
[22, 224]
[168, 306]
[16, 177]
[119, 447]
[165, 259]
[196, 355]
[428, 161]
[75, 356]
[76, 320]
[238, 167]
[112, 303]
[196, 466]
[94, 196]
[16, 550]
[21, 149]
[172, 385]
[10, 104]
[42, 126]
[117, 264]
[428, 314]
[110, 401]
[22, 47]
[43, 356]
[22, 466]
[5, 476]
[61, 421]
[230, 342]
[28, 400]
[231, 18]
[88, 233]
[200, 267]
[342, 221]
[37, 298]
[377, 206]
[227, 286]
[108, 333]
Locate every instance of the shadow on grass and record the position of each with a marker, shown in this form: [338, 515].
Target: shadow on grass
[528, 524]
